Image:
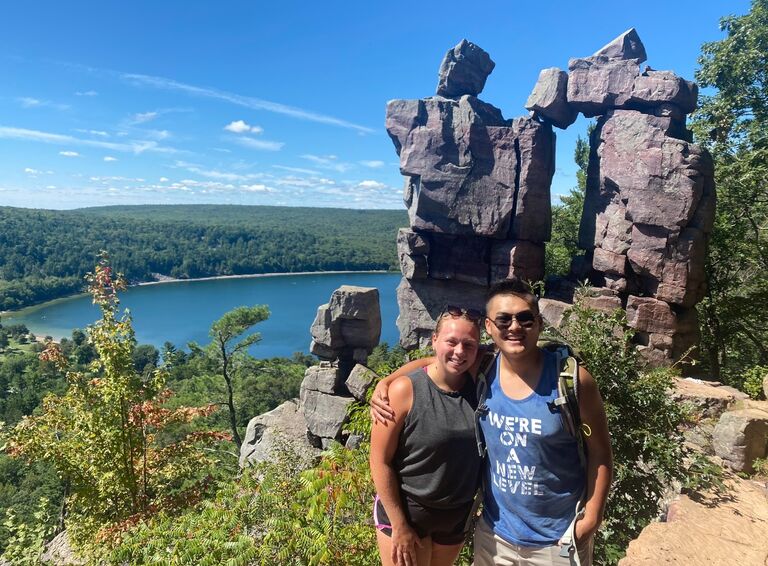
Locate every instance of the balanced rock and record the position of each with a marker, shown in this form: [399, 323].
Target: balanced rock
[349, 325]
[464, 70]
[549, 98]
[598, 84]
[625, 46]
[741, 437]
[654, 88]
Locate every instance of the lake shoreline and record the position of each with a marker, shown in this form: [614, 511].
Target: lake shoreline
[164, 279]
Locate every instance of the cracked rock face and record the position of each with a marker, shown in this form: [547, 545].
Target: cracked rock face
[477, 191]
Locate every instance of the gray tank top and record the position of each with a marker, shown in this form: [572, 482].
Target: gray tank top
[437, 458]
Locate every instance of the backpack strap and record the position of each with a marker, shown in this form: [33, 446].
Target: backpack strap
[567, 401]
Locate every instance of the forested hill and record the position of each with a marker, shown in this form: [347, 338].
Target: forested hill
[44, 254]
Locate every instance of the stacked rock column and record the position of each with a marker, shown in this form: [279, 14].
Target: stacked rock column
[649, 204]
[344, 333]
[477, 193]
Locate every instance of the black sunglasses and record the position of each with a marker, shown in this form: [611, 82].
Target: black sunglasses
[472, 315]
[525, 319]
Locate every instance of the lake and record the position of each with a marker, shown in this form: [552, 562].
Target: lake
[181, 312]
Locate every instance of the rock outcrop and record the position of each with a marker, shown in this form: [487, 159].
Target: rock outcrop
[344, 333]
[741, 437]
[649, 205]
[476, 189]
[280, 431]
[711, 530]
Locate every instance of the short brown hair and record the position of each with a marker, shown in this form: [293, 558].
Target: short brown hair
[516, 287]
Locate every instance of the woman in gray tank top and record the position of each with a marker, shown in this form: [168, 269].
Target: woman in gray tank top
[425, 465]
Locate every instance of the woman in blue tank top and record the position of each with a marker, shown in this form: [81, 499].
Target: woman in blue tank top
[425, 465]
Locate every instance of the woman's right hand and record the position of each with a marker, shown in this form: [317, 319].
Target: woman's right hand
[381, 411]
[404, 543]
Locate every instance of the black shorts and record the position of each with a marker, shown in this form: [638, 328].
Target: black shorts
[445, 526]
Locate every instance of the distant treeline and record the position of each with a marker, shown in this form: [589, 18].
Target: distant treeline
[44, 254]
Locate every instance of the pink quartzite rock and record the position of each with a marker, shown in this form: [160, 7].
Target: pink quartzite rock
[464, 70]
[462, 258]
[625, 46]
[653, 88]
[597, 84]
[412, 251]
[650, 315]
[533, 210]
[741, 437]
[517, 258]
[549, 98]
[421, 302]
[460, 158]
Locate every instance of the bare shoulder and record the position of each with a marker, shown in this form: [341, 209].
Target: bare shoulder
[401, 394]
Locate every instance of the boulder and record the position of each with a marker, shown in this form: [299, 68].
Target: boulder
[653, 88]
[412, 251]
[741, 437]
[270, 435]
[650, 315]
[625, 46]
[552, 311]
[598, 84]
[464, 70]
[59, 552]
[460, 258]
[706, 399]
[549, 98]
[324, 377]
[360, 380]
[324, 414]
[350, 321]
[707, 528]
[609, 262]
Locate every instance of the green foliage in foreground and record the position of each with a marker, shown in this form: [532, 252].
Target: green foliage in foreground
[274, 514]
[644, 423]
[44, 254]
[101, 434]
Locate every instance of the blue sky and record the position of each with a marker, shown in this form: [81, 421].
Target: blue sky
[283, 104]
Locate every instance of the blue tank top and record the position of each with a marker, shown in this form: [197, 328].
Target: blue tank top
[533, 478]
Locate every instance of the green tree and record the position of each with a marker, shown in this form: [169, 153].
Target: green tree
[566, 217]
[228, 350]
[733, 124]
[100, 434]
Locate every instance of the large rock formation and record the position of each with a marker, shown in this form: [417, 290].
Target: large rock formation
[344, 333]
[477, 192]
[650, 199]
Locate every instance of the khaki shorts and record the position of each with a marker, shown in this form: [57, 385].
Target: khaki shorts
[492, 550]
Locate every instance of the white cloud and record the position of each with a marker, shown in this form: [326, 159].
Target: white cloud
[69, 153]
[142, 117]
[86, 93]
[257, 189]
[133, 146]
[264, 145]
[109, 158]
[371, 185]
[31, 171]
[244, 101]
[373, 164]
[164, 179]
[241, 127]
[296, 170]
[100, 133]
[328, 162]
[29, 102]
